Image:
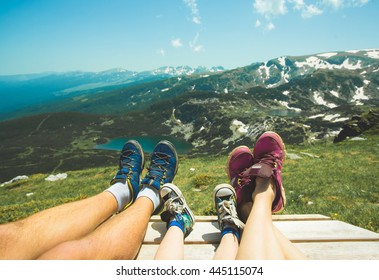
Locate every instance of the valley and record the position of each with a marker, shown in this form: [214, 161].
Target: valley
[307, 100]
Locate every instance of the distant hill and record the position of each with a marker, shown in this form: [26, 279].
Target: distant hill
[325, 80]
[305, 99]
[23, 91]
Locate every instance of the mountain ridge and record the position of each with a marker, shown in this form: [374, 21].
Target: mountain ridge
[305, 99]
[32, 89]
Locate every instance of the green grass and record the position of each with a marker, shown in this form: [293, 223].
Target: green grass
[341, 183]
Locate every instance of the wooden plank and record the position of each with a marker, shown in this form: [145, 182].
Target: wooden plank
[203, 232]
[340, 250]
[191, 252]
[297, 217]
[315, 251]
[326, 231]
[296, 231]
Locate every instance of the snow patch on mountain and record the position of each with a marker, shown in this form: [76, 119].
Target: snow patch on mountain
[316, 116]
[327, 55]
[239, 130]
[312, 61]
[347, 65]
[285, 104]
[264, 71]
[373, 54]
[359, 95]
[334, 118]
[318, 63]
[319, 99]
[282, 61]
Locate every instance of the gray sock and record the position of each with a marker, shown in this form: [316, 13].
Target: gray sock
[151, 193]
[122, 194]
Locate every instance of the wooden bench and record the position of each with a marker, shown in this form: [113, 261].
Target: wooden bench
[317, 236]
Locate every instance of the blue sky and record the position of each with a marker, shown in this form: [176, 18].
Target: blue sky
[95, 35]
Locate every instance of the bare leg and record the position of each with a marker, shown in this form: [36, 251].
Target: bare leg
[289, 250]
[259, 240]
[227, 250]
[118, 238]
[31, 237]
[172, 245]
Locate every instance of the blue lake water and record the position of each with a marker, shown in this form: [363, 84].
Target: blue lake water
[284, 113]
[147, 142]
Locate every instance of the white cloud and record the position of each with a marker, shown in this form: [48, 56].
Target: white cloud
[269, 8]
[334, 3]
[194, 44]
[356, 3]
[310, 11]
[194, 10]
[360, 2]
[270, 26]
[298, 4]
[198, 48]
[176, 43]
[161, 52]
[338, 4]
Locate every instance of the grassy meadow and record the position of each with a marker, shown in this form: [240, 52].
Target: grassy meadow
[337, 180]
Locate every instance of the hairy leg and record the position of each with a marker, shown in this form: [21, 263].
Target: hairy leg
[227, 250]
[172, 245]
[31, 237]
[118, 238]
[259, 240]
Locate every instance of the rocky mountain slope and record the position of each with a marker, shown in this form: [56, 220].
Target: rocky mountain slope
[305, 99]
[38, 89]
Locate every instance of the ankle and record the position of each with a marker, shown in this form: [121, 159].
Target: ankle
[264, 188]
[231, 228]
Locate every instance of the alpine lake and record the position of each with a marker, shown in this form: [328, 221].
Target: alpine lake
[147, 142]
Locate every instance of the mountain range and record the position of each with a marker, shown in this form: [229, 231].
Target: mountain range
[33, 89]
[305, 99]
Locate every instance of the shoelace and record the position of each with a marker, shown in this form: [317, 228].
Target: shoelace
[270, 159]
[125, 163]
[228, 213]
[173, 205]
[157, 168]
[247, 176]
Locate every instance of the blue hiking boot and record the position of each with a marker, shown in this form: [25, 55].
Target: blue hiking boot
[162, 169]
[131, 164]
[163, 166]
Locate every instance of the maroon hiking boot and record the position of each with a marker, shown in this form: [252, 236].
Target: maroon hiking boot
[269, 156]
[240, 159]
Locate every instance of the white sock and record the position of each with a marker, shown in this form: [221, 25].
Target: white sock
[151, 193]
[122, 194]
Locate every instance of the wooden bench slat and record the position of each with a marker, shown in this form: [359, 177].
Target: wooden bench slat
[340, 250]
[297, 217]
[332, 230]
[314, 251]
[296, 231]
[191, 252]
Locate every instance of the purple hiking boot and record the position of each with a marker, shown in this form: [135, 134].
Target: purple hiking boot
[239, 160]
[269, 156]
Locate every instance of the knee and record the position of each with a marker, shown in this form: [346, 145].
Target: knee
[8, 241]
[63, 251]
